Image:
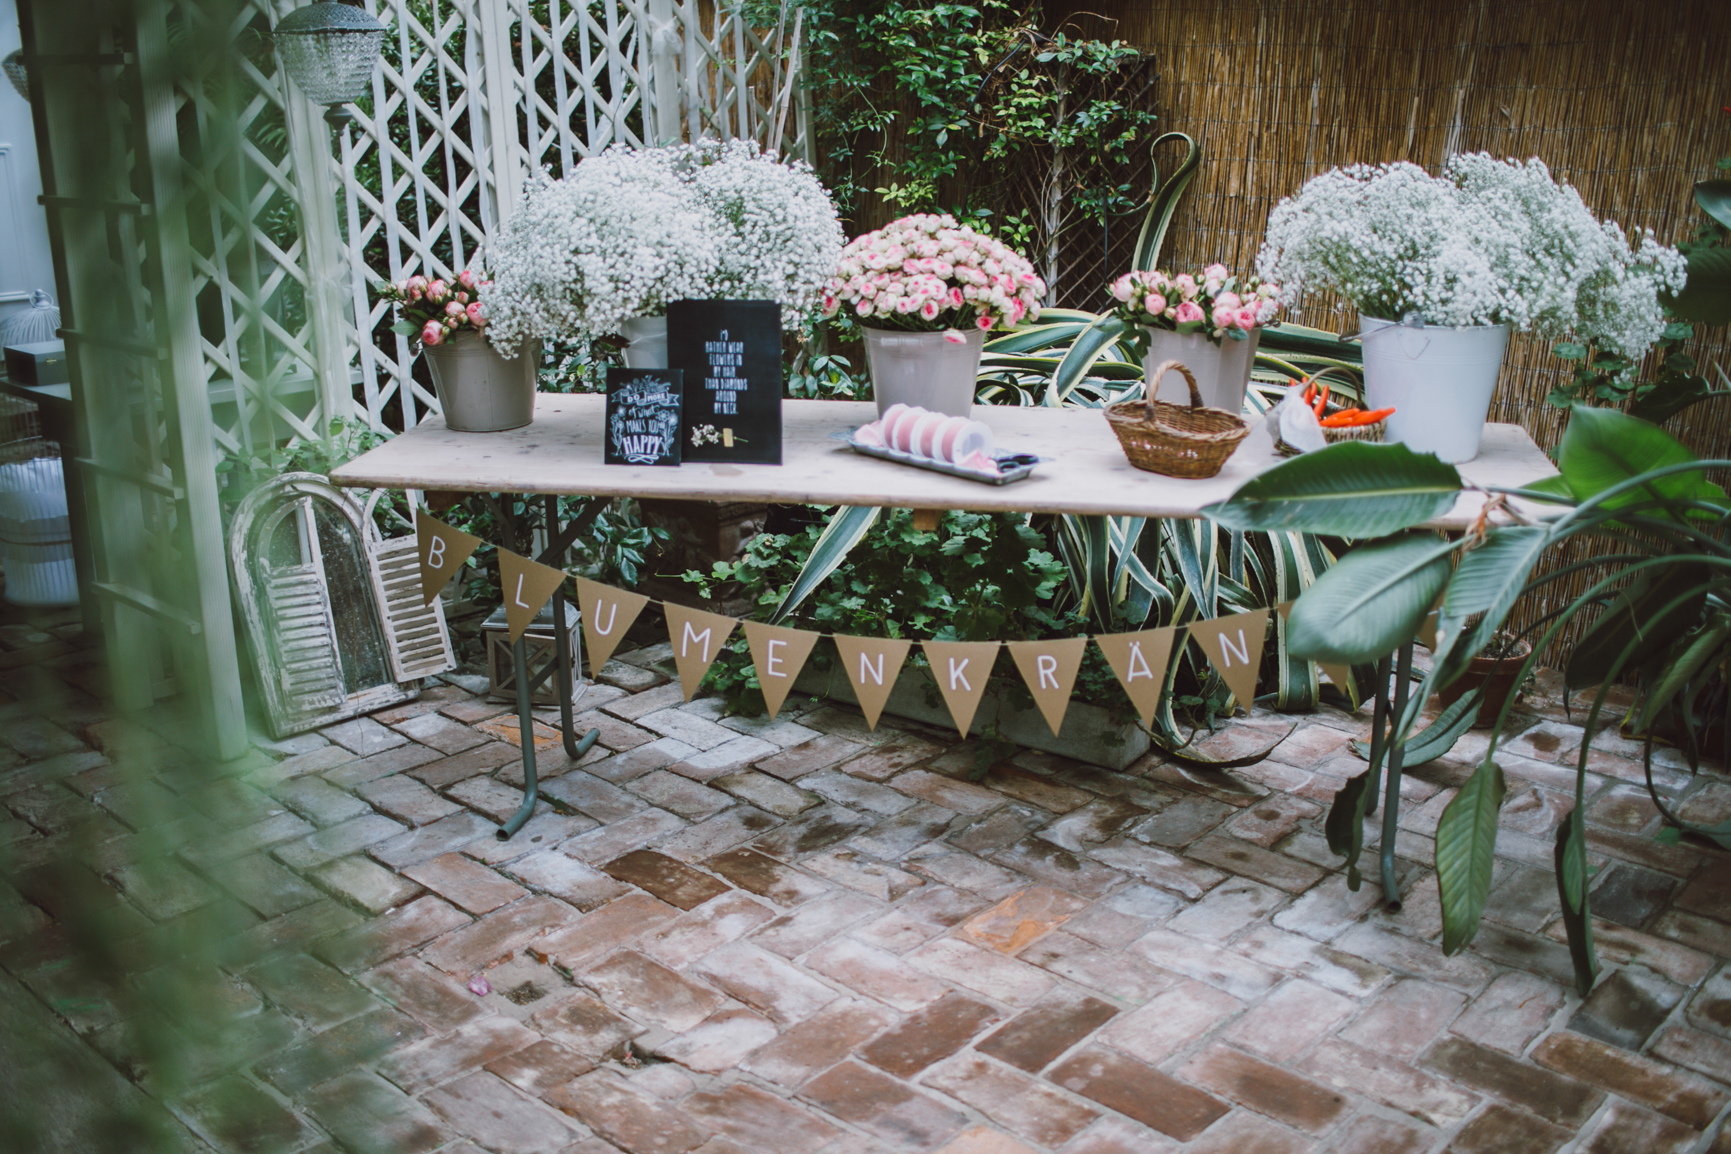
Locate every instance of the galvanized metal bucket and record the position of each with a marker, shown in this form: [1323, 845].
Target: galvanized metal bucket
[479, 390]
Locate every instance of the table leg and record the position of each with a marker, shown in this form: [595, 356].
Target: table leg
[1378, 733]
[1396, 755]
[574, 747]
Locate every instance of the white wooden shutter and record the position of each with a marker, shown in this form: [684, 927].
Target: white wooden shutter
[415, 634]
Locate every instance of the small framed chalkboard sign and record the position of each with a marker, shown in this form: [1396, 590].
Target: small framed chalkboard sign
[730, 353]
[643, 416]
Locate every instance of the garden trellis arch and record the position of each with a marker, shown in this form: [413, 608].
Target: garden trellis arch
[274, 230]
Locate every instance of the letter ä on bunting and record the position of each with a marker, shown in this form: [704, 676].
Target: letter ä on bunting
[1140, 659]
[607, 614]
[961, 669]
[872, 665]
[527, 585]
[697, 637]
[442, 551]
[1234, 647]
[1049, 668]
[779, 654]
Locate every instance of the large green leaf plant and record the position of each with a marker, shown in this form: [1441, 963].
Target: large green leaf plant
[1660, 607]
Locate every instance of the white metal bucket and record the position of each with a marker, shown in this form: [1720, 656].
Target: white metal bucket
[924, 369]
[1438, 380]
[35, 534]
[481, 391]
[1222, 370]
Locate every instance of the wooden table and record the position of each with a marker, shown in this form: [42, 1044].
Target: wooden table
[1082, 471]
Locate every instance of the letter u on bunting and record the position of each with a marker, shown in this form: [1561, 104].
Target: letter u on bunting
[442, 551]
[1234, 647]
[872, 665]
[697, 637]
[607, 614]
[1049, 668]
[527, 585]
[779, 654]
[961, 669]
[1139, 659]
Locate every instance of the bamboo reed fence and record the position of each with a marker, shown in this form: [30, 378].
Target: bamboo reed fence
[1627, 102]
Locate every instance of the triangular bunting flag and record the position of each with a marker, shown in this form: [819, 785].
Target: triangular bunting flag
[872, 665]
[1341, 675]
[442, 551]
[527, 585]
[1234, 647]
[1049, 668]
[697, 637]
[1139, 660]
[1284, 609]
[961, 669]
[607, 614]
[1426, 633]
[779, 654]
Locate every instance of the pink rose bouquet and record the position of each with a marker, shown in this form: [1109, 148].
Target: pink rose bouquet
[436, 310]
[928, 273]
[1213, 302]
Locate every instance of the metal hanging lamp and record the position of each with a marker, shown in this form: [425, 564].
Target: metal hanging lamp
[16, 73]
[329, 50]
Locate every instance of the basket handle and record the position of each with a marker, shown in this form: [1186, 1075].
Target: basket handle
[1161, 370]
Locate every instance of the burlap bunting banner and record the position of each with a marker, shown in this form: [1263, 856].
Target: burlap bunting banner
[1049, 668]
[1233, 646]
[778, 654]
[607, 614]
[697, 637]
[527, 585]
[961, 669]
[872, 665]
[442, 551]
[1139, 660]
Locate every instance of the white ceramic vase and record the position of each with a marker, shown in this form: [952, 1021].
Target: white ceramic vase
[924, 369]
[647, 342]
[1438, 380]
[1222, 370]
[481, 391]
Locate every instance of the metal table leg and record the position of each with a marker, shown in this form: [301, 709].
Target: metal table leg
[1396, 755]
[560, 670]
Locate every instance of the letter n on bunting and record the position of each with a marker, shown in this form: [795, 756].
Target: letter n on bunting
[1234, 647]
[872, 665]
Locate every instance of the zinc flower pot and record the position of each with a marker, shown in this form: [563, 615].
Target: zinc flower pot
[934, 371]
[480, 390]
[1438, 380]
[646, 342]
[1222, 370]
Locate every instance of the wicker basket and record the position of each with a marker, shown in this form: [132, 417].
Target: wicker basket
[1370, 433]
[1175, 440]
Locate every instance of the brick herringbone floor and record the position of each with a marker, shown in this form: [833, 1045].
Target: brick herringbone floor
[799, 937]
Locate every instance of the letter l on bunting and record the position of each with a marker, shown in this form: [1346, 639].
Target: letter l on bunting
[527, 585]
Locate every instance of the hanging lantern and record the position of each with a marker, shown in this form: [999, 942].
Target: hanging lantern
[14, 66]
[329, 50]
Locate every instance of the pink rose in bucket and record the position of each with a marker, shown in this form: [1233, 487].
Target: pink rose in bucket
[1216, 303]
[930, 273]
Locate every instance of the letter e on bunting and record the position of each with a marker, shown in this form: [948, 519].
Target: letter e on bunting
[961, 669]
[697, 637]
[607, 614]
[1049, 668]
[442, 551]
[779, 654]
[527, 585]
[1234, 647]
[1139, 659]
[872, 665]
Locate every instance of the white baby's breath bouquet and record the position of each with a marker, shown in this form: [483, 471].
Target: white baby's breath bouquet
[1488, 242]
[632, 230]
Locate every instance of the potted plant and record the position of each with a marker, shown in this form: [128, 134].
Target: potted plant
[1441, 269]
[480, 388]
[605, 250]
[1209, 321]
[1494, 673]
[927, 289]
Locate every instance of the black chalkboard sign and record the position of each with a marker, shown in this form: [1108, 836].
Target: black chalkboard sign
[643, 408]
[730, 353]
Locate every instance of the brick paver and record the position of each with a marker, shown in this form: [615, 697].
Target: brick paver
[801, 937]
